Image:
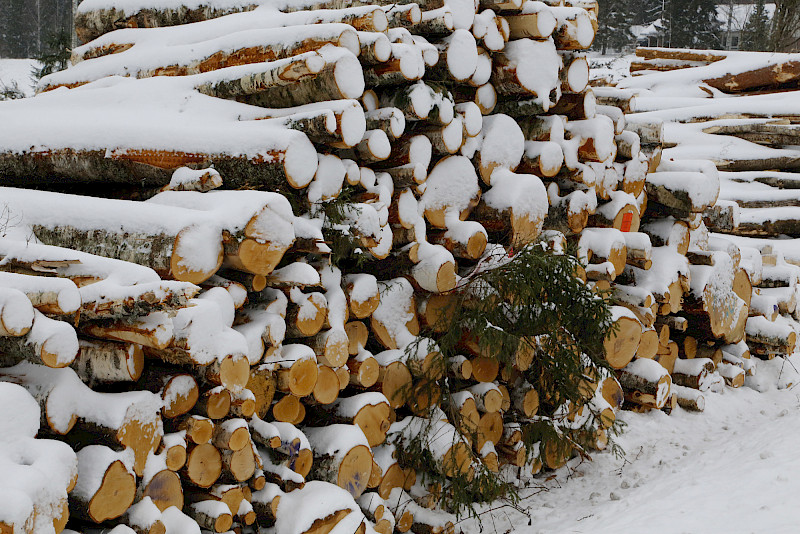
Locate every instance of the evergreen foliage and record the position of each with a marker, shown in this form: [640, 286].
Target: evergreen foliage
[529, 300]
[755, 35]
[10, 92]
[54, 56]
[613, 31]
[692, 24]
[646, 11]
[339, 214]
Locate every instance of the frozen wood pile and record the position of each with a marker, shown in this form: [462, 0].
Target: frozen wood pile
[734, 72]
[726, 155]
[243, 377]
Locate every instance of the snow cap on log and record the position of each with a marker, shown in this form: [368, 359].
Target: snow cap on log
[317, 504]
[16, 312]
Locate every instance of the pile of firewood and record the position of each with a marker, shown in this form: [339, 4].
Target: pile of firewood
[185, 329]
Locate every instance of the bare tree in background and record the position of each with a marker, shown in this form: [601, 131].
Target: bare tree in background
[785, 35]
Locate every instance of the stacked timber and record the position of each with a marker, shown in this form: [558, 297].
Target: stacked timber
[739, 291]
[250, 221]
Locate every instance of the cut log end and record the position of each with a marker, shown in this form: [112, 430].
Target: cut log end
[204, 465]
[142, 437]
[165, 490]
[180, 269]
[234, 372]
[115, 496]
[355, 470]
[620, 346]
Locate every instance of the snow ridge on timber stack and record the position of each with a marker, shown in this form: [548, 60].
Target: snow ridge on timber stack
[243, 376]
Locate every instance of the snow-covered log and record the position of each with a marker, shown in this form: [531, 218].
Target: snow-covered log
[137, 59]
[180, 243]
[101, 362]
[16, 313]
[126, 419]
[328, 74]
[257, 225]
[51, 296]
[621, 344]
[341, 456]
[449, 450]
[48, 342]
[534, 20]
[106, 484]
[694, 374]
[646, 383]
[685, 192]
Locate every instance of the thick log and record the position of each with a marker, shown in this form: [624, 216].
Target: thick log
[363, 370]
[106, 484]
[369, 411]
[91, 24]
[387, 472]
[295, 369]
[16, 313]
[689, 399]
[694, 373]
[294, 450]
[51, 296]
[341, 456]
[534, 21]
[173, 447]
[238, 466]
[211, 515]
[203, 465]
[768, 76]
[334, 73]
[449, 451]
[500, 211]
[574, 28]
[161, 484]
[130, 419]
[686, 192]
[621, 344]
[154, 330]
[198, 429]
[646, 383]
[184, 59]
[176, 243]
[144, 517]
[258, 226]
[100, 362]
[512, 75]
[394, 378]
[48, 342]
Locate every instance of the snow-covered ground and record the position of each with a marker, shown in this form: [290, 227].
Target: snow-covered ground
[16, 73]
[732, 469]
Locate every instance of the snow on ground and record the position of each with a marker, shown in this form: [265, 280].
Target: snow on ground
[732, 469]
[16, 73]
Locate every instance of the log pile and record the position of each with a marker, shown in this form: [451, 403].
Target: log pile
[738, 149]
[284, 200]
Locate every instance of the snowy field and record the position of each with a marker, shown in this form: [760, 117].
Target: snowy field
[17, 73]
[732, 469]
